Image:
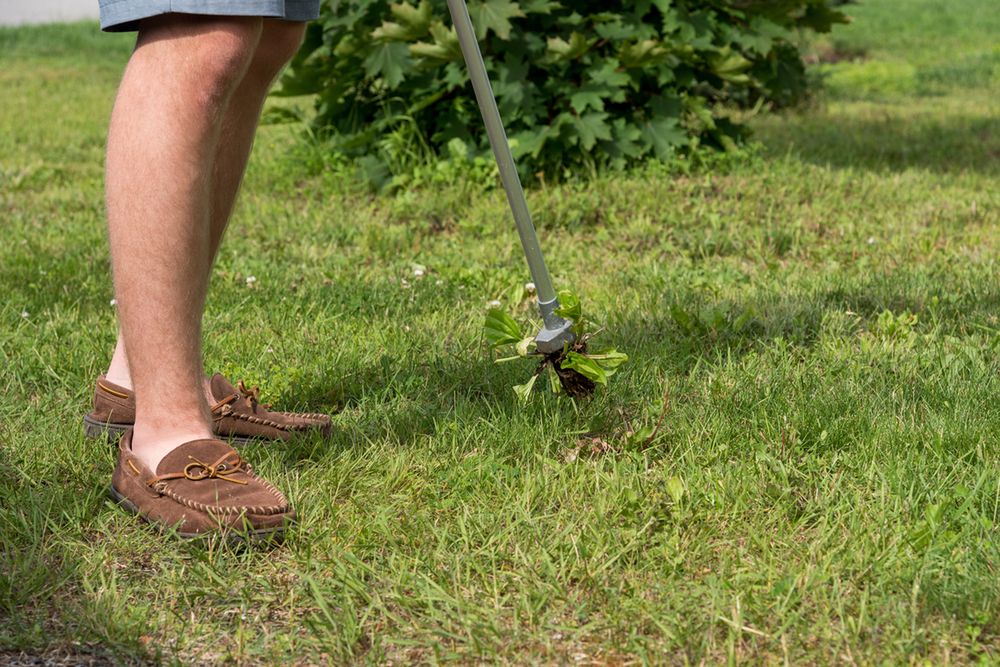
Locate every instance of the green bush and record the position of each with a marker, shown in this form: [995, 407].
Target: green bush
[580, 85]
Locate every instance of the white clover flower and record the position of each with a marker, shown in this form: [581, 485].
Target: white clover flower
[419, 271]
[529, 288]
[871, 240]
[251, 280]
[24, 313]
[495, 303]
[114, 302]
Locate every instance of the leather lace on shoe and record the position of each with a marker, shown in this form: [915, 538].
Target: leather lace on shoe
[250, 394]
[228, 465]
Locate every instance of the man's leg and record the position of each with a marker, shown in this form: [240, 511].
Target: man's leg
[162, 145]
[278, 43]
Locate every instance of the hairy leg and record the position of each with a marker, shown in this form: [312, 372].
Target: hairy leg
[278, 43]
[162, 144]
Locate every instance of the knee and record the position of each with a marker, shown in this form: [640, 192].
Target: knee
[209, 55]
[223, 57]
[279, 41]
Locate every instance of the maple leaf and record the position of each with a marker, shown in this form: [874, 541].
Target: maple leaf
[494, 15]
[388, 60]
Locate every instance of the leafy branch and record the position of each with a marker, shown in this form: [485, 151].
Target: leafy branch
[581, 85]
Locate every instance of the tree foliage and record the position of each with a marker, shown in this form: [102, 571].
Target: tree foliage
[580, 84]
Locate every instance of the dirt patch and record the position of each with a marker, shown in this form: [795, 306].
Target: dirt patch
[575, 384]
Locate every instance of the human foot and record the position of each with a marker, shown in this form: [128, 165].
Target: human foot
[151, 447]
[202, 486]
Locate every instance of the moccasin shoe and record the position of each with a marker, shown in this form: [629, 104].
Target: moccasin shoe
[202, 487]
[237, 413]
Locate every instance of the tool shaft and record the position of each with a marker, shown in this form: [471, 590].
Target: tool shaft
[501, 149]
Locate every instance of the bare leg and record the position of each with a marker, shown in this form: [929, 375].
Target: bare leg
[162, 145]
[278, 43]
[118, 371]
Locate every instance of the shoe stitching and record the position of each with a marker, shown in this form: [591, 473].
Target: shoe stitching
[227, 411]
[210, 509]
[318, 416]
[163, 488]
[160, 486]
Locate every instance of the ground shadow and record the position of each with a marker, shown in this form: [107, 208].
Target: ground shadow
[416, 391]
[43, 605]
[886, 142]
[691, 331]
[410, 394]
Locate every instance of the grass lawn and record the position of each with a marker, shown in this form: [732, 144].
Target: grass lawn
[823, 319]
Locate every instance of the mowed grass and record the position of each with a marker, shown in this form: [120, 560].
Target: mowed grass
[817, 327]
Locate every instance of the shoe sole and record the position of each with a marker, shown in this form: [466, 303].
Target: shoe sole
[113, 432]
[97, 429]
[232, 537]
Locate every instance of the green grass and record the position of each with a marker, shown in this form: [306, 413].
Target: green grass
[913, 88]
[823, 320]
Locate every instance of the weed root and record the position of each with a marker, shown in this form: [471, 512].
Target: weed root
[575, 384]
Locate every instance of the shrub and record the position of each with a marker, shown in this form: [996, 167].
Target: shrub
[581, 85]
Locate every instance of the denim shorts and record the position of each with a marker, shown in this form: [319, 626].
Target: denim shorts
[124, 15]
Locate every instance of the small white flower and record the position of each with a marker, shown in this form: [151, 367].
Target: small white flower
[495, 303]
[270, 349]
[439, 282]
[419, 271]
[871, 240]
[251, 280]
[114, 302]
[24, 313]
[529, 288]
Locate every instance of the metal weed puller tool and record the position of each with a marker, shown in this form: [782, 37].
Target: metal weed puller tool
[556, 331]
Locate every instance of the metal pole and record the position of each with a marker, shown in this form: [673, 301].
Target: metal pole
[547, 302]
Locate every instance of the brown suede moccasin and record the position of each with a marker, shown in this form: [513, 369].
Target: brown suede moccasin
[201, 487]
[237, 414]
